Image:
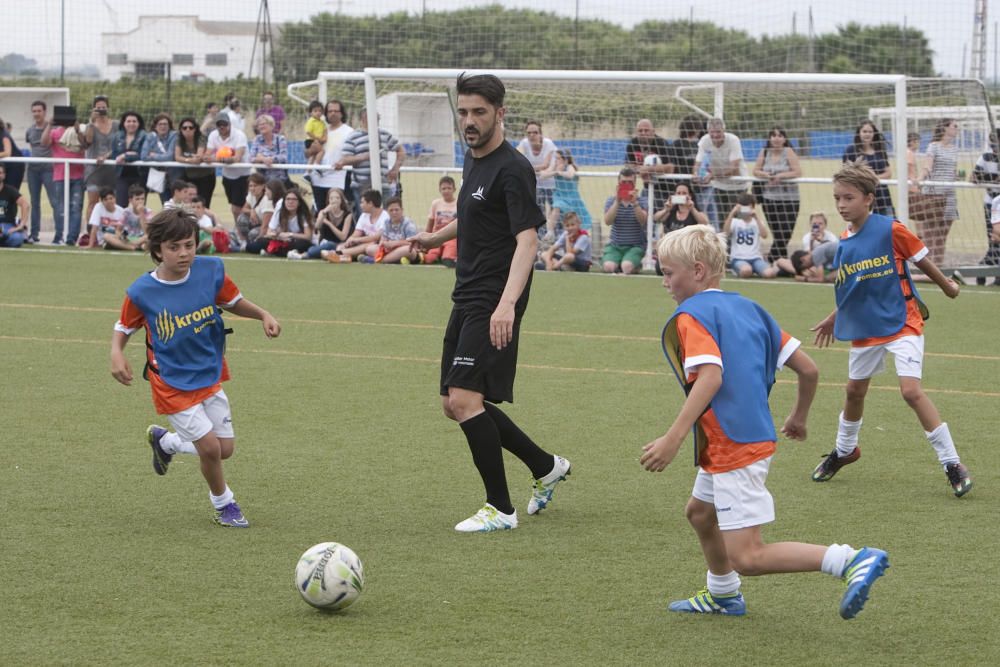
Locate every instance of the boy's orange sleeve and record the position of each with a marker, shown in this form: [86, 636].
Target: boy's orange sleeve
[906, 244]
[228, 294]
[697, 345]
[131, 318]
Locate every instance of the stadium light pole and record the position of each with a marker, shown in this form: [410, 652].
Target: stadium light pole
[62, 41]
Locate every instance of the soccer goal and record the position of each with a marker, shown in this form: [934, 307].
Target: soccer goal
[594, 113]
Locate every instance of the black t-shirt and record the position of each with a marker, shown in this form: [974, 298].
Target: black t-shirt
[636, 152]
[496, 202]
[683, 152]
[8, 204]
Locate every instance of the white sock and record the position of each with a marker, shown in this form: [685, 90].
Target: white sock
[171, 443]
[218, 502]
[836, 558]
[940, 439]
[847, 436]
[724, 584]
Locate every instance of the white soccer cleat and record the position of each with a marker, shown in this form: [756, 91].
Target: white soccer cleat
[541, 491]
[487, 520]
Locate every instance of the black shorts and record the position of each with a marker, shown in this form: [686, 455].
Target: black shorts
[470, 361]
[236, 190]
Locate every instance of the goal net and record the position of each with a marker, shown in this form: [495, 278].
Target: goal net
[593, 115]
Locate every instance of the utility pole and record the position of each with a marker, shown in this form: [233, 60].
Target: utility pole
[977, 60]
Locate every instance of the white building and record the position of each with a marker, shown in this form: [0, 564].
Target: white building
[183, 47]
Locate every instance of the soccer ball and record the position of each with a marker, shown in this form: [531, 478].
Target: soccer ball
[329, 576]
[224, 152]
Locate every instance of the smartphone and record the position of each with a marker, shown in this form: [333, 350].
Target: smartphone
[625, 189]
[746, 211]
[101, 112]
[678, 200]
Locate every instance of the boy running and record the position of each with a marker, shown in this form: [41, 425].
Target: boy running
[179, 305]
[712, 330]
[879, 311]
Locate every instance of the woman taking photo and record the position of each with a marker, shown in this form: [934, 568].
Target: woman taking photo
[778, 164]
[680, 211]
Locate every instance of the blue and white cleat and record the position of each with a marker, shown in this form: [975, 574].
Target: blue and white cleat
[867, 565]
[161, 459]
[231, 516]
[542, 489]
[704, 602]
[487, 520]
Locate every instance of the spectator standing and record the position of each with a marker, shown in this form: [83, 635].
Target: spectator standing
[228, 146]
[941, 206]
[778, 163]
[64, 146]
[869, 148]
[541, 153]
[337, 132]
[234, 110]
[356, 154]
[684, 148]
[159, 147]
[126, 147]
[985, 172]
[720, 160]
[98, 140]
[208, 122]
[625, 214]
[39, 174]
[8, 148]
[269, 148]
[566, 197]
[13, 228]
[638, 152]
[269, 108]
[191, 149]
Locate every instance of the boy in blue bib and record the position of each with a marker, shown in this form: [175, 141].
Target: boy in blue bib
[725, 350]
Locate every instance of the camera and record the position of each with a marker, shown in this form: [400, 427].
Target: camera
[101, 112]
[815, 228]
[746, 210]
[678, 200]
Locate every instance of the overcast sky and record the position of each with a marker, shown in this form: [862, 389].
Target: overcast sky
[33, 27]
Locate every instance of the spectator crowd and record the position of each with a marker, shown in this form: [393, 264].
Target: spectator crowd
[700, 177]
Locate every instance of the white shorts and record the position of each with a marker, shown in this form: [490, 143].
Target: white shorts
[210, 416]
[907, 352]
[741, 500]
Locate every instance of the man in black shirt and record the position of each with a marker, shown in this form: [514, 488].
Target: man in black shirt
[650, 155]
[495, 227]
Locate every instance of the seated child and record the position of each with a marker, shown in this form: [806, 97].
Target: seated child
[571, 250]
[394, 247]
[107, 223]
[315, 130]
[212, 236]
[734, 435]
[443, 211]
[137, 216]
[368, 230]
[745, 230]
[816, 266]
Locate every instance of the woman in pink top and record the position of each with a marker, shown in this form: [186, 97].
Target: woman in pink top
[53, 137]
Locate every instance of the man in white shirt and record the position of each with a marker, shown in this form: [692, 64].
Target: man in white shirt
[719, 160]
[371, 222]
[337, 131]
[233, 143]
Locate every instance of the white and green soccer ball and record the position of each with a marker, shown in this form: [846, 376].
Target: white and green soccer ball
[330, 576]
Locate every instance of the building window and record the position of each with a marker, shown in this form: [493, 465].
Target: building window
[216, 59]
[117, 59]
[151, 70]
[183, 59]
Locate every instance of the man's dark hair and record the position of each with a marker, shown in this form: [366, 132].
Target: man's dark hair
[136, 189]
[393, 200]
[626, 172]
[40, 103]
[691, 125]
[172, 224]
[797, 262]
[179, 185]
[373, 197]
[746, 199]
[343, 109]
[487, 86]
[104, 192]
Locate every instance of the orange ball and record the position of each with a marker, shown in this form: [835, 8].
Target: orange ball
[224, 152]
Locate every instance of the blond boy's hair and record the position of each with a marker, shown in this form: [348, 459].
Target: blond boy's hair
[858, 176]
[695, 243]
